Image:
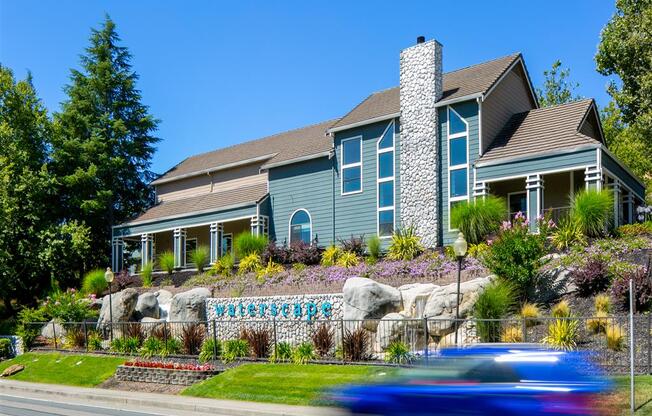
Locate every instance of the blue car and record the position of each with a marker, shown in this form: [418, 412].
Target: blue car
[489, 380]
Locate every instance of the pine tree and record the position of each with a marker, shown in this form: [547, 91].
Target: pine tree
[103, 142]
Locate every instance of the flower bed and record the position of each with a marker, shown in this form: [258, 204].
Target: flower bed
[164, 372]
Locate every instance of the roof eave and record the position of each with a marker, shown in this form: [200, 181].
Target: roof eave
[364, 122]
[509, 159]
[459, 99]
[296, 160]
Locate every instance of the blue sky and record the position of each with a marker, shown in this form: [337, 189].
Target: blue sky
[219, 73]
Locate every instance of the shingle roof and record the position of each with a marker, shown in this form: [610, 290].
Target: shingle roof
[541, 130]
[459, 83]
[280, 147]
[210, 201]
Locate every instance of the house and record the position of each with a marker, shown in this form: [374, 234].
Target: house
[402, 157]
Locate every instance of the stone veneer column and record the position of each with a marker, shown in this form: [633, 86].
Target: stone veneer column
[420, 88]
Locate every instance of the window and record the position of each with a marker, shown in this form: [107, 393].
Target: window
[300, 227]
[227, 244]
[191, 245]
[385, 182]
[458, 162]
[517, 203]
[351, 165]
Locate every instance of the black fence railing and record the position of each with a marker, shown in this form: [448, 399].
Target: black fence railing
[354, 340]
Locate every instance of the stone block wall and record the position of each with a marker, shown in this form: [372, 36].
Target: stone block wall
[162, 375]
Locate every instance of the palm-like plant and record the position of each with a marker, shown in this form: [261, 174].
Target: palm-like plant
[200, 257]
[593, 211]
[478, 218]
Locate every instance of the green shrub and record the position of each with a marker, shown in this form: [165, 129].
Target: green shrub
[398, 353]
[26, 328]
[330, 256]
[615, 337]
[303, 353]
[602, 303]
[530, 313]
[250, 263]
[405, 245]
[94, 282]
[246, 244]
[593, 211]
[209, 349]
[348, 259]
[282, 352]
[125, 345]
[94, 341]
[478, 218]
[234, 349]
[271, 269]
[173, 346]
[562, 334]
[636, 229]
[224, 266]
[200, 257]
[166, 261]
[68, 306]
[569, 233]
[152, 346]
[495, 302]
[146, 274]
[516, 255]
[477, 250]
[561, 309]
[512, 334]
[5, 348]
[374, 247]
[597, 324]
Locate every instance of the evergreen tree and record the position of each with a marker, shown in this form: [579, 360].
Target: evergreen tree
[557, 88]
[103, 142]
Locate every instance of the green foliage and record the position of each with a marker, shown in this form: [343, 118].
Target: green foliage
[557, 89]
[271, 269]
[512, 334]
[562, 334]
[593, 211]
[569, 233]
[330, 256]
[233, 349]
[146, 274]
[561, 309]
[374, 247]
[209, 349]
[602, 303]
[125, 345]
[405, 245]
[5, 348]
[636, 229]
[173, 346]
[152, 346]
[303, 353]
[476, 250]
[94, 341]
[94, 282]
[615, 335]
[223, 266]
[495, 302]
[398, 353]
[348, 259]
[166, 261]
[282, 352]
[103, 142]
[597, 324]
[26, 328]
[200, 257]
[246, 244]
[530, 313]
[478, 218]
[68, 306]
[250, 263]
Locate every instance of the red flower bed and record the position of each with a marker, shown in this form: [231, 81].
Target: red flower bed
[169, 365]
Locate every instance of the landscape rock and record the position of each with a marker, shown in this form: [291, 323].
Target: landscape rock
[150, 324]
[53, 328]
[147, 306]
[367, 299]
[164, 300]
[410, 293]
[189, 306]
[123, 306]
[390, 327]
[552, 284]
[12, 369]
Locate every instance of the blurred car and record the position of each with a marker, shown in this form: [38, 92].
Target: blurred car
[489, 380]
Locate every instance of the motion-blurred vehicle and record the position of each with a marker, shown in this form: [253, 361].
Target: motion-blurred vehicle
[489, 380]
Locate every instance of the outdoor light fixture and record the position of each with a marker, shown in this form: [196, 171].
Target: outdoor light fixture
[108, 276]
[459, 247]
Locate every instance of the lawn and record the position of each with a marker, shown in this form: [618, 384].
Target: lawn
[74, 370]
[283, 383]
[642, 394]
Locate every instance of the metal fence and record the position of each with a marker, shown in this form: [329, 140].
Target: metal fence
[357, 340]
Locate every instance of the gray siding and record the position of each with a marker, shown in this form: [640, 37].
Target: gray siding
[524, 167]
[469, 111]
[307, 185]
[610, 164]
[509, 97]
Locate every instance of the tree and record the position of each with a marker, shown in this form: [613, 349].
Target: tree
[557, 88]
[103, 142]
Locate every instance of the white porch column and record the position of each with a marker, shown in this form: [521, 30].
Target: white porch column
[257, 223]
[593, 178]
[217, 231]
[617, 211]
[179, 247]
[481, 189]
[117, 254]
[534, 187]
[629, 208]
[147, 249]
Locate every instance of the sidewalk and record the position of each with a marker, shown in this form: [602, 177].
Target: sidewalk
[158, 401]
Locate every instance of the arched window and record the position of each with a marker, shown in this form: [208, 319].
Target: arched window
[300, 227]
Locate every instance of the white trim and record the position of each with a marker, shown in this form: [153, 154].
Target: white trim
[572, 184]
[350, 165]
[623, 184]
[202, 224]
[290, 224]
[527, 79]
[510, 159]
[363, 122]
[458, 100]
[295, 160]
[380, 180]
[625, 168]
[214, 169]
[450, 168]
[479, 128]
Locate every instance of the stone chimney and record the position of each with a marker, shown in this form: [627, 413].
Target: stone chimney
[420, 88]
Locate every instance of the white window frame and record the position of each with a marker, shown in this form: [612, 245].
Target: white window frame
[380, 180]
[290, 224]
[350, 165]
[450, 168]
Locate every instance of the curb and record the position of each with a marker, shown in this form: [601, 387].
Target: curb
[162, 401]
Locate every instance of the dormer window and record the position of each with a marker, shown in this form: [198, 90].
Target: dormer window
[351, 165]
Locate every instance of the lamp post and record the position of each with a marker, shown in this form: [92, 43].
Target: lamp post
[108, 276]
[459, 247]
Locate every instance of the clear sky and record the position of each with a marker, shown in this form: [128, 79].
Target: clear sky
[219, 73]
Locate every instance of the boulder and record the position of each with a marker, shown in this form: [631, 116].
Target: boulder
[390, 328]
[53, 328]
[147, 306]
[411, 293]
[150, 324]
[189, 306]
[367, 299]
[12, 369]
[164, 299]
[551, 284]
[123, 305]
